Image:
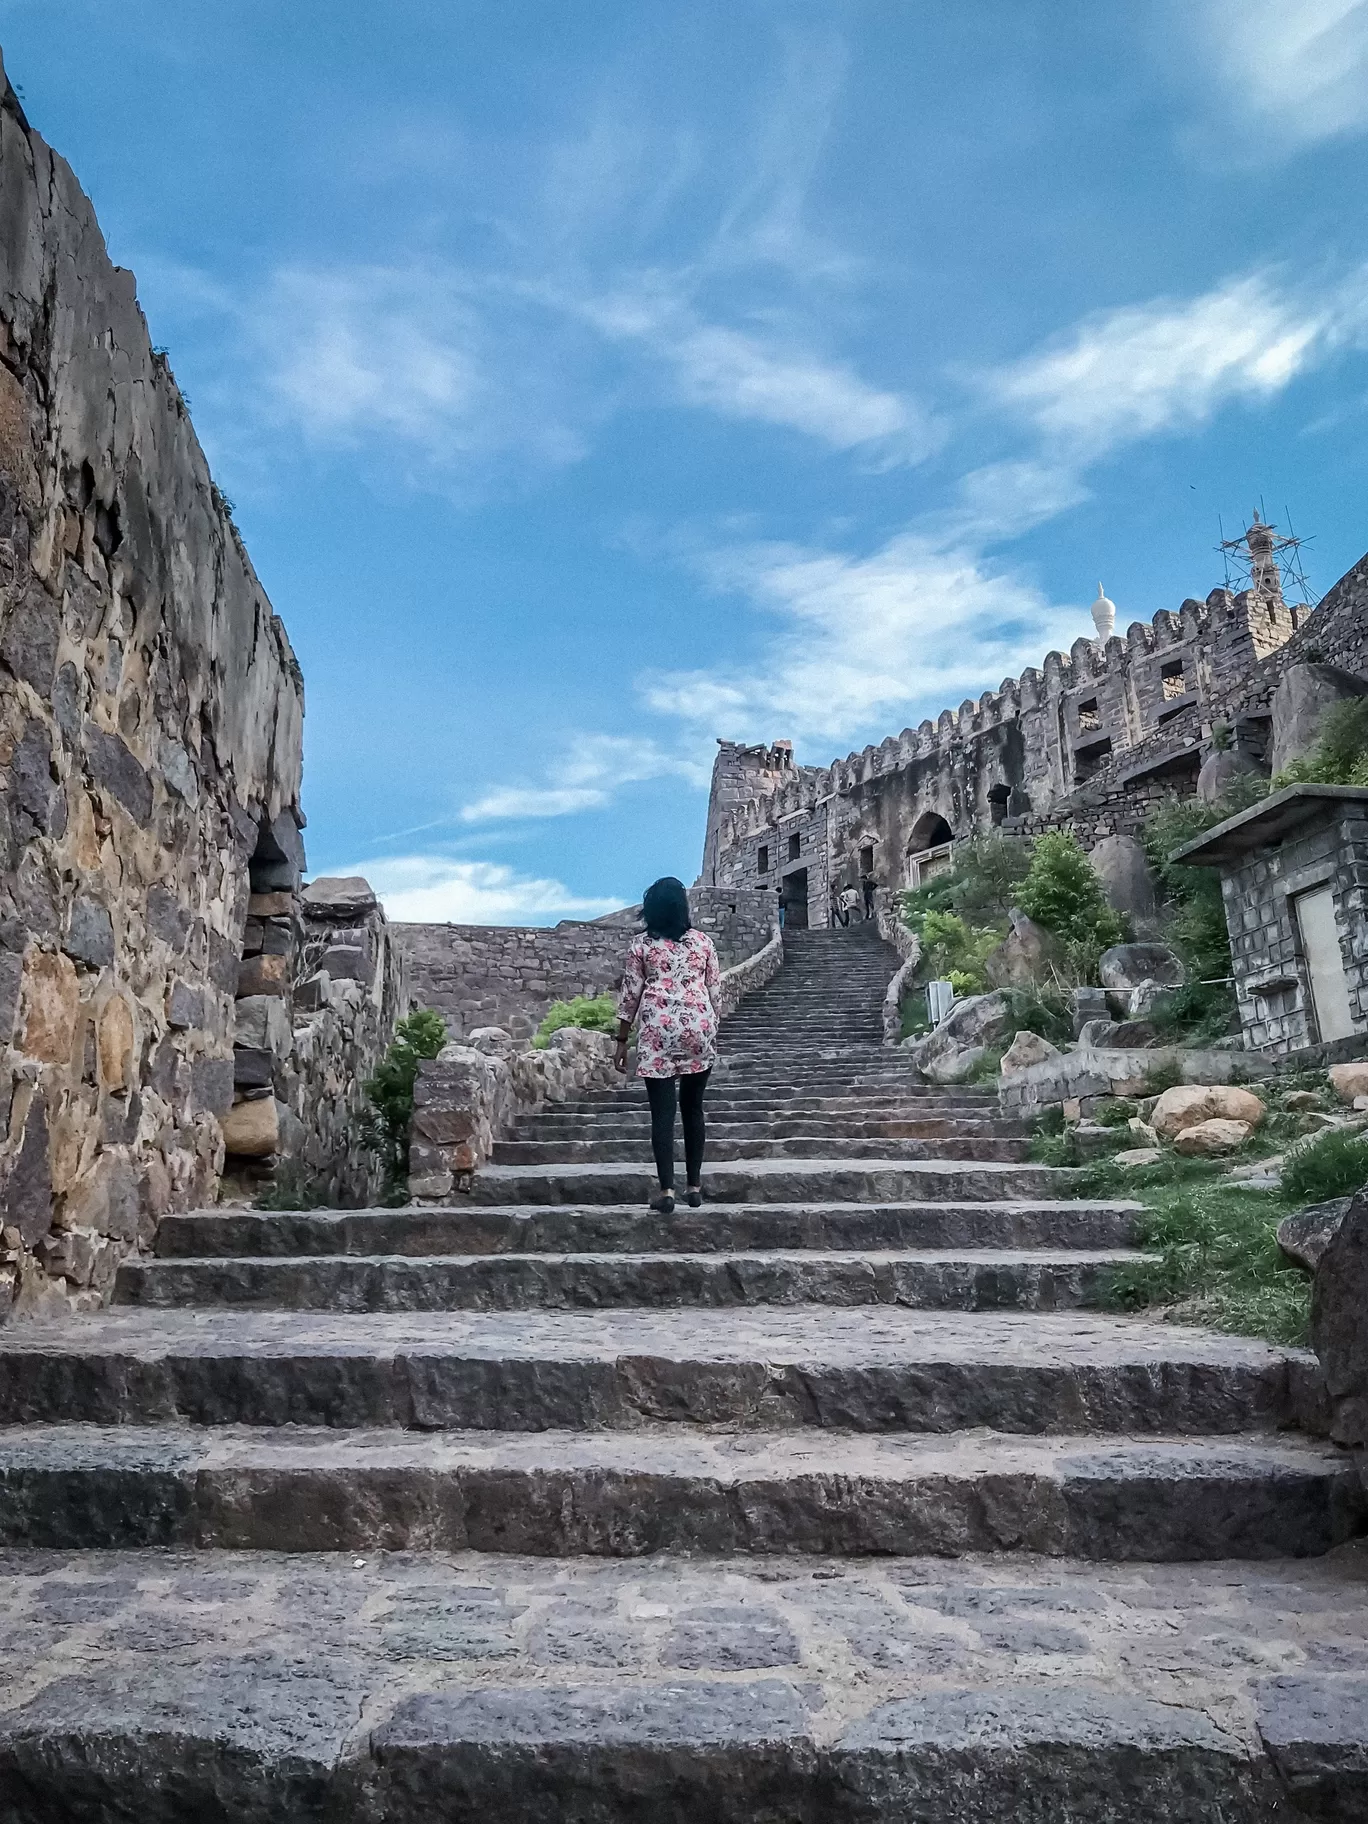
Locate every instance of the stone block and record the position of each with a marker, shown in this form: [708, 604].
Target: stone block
[105, 1198]
[263, 975]
[1207, 1139]
[115, 1037]
[167, 918]
[1349, 1081]
[311, 996]
[90, 934]
[1306, 1234]
[1187, 1104]
[261, 1021]
[345, 963]
[51, 1001]
[184, 1006]
[27, 1191]
[1339, 1324]
[211, 1084]
[275, 937]
[112, 765]
[339, 896]
[28, 644]
[251, 1130]
[252, 1069]
[271, 905]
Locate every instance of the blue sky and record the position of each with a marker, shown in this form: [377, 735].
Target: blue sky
[594, 380]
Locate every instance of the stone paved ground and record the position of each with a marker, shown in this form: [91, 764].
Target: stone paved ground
[262, 1679]
[542, 1507]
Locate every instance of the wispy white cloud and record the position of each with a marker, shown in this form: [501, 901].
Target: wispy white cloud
[904, 630]
[1291, 72]
[587, 776]
[1167, 365]
[437, 889]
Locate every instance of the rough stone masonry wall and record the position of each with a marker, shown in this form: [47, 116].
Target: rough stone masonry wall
[150, 724]
[492, 975]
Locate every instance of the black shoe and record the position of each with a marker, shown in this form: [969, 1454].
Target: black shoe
[664, 1205]
[694, 1199]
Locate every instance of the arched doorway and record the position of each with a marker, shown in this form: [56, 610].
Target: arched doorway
[930, 849]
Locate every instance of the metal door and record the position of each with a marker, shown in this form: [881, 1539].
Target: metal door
[1324, 964]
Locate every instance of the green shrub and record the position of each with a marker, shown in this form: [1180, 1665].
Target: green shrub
[594, 1013]
[1333, 1164]
[1116, 1112]
[1062, 893]
[988, 874]
[1050, 1119]
[951, 948]
[417, 1036]
[1045, 1011]
[1340, 756]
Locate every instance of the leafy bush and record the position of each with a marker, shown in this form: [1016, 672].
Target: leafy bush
[1062, 893]
[1116, 1112]
[1047, 1012]
[988, 874]
[390, 1091]
[1340, 756]
[1333, 1164]
[954, 949]
[594, 1013]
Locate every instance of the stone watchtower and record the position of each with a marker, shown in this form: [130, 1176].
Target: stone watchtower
[739, 774]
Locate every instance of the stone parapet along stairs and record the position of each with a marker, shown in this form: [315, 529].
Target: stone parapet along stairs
[836, 1499]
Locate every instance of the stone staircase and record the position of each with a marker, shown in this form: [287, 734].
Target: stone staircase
[836, 1499]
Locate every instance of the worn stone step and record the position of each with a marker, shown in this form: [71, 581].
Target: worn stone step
[749, 1104]
[679, 1690]
[724, 1124]
[776, 1181]
[625, 1495]
[879, 1368]
[721, 1149]
[618, 1228]
[982, 1280]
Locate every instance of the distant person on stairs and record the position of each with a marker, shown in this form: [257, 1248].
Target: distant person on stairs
[670, 988]
[850, 903]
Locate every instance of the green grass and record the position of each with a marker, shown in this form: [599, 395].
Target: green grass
[1333, 1164]
[1215, 1259]
[593, 1013]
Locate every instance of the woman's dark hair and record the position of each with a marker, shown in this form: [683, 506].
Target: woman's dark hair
[665, 908]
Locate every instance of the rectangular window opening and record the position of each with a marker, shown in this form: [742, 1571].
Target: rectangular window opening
[1088, 759]
[1089, 716]
[795, 843]
[762, 860]
[1172, 681]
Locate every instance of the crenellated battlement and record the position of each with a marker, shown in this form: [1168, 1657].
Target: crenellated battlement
[1013, 752]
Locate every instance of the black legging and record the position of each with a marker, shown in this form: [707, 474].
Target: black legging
[661, 1092]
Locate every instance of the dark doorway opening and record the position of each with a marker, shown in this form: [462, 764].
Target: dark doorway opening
[796, 899]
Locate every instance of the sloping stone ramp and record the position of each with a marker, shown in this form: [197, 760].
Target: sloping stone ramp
[835, 1500]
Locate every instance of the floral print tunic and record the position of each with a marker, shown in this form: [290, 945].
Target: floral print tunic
[670, 990]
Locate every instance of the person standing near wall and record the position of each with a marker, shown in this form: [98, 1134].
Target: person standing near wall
[783, 907]
[867, 884]
[838, 916]
[849, 903]
[670, 989]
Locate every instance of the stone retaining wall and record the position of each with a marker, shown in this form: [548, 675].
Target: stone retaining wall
[508, 975]
[150, 741]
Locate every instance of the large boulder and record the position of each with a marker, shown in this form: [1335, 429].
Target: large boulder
[1023, 956]
[1339, 1324]
[956, 1065]
[1206, 1139]
[1349, 1081]
[1118, 1035]
[1122, 866]
[975, 1023]
[1299, 703]
[1188, 1104]
[1306, 1234]
[1135, 975]
[1026, 1048]
[1221, 772]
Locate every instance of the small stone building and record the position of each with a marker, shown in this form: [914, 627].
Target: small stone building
[1294, 877]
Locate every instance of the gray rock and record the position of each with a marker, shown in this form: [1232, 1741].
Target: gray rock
[1023, 956]
[1118, 1035]
[339, 896]
[1339, 1324]
[167, 919]
[261, 1023]
[345, 963]
[114, 767]
[211, 1085]
[955, 1065]
[252, 1069]
[1313, 1728]
[27, 1199]
[1026, 1048]
[178, 769]
[90, 934]
[1303, 695]
[974, 1023]
[1306, 1234]
[1127, 966]
[1088, 1004]
[1122, 866]
[28, 645]
[1221, 770]
[68, 703]
[184, 1006]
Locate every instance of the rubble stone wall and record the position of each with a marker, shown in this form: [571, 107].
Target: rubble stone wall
[150, 740]
[508, 975]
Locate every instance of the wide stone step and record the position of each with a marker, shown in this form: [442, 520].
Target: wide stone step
[681, 1690]
[879, 1368]
[721, 1149]
[723, 1124]
[754, 1104]
[627, 1229]
[626, 1495]
[776, 1181]
[982, 1280]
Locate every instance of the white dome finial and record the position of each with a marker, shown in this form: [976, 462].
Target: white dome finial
[1104, 615]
